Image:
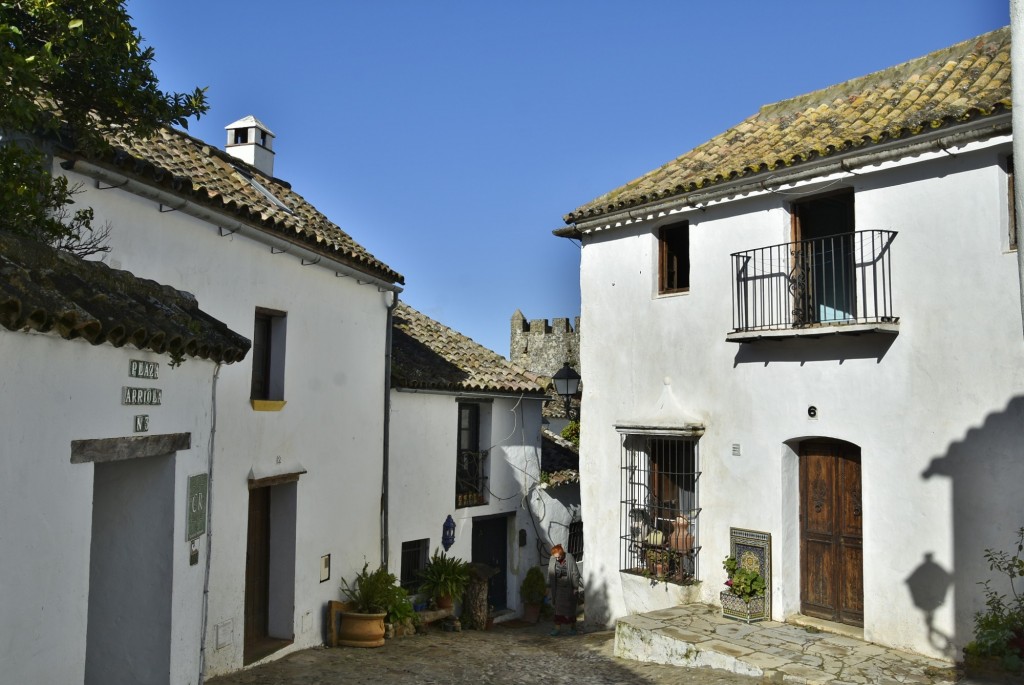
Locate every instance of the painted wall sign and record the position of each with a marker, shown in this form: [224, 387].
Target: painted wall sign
[141, 423]
[141, 369]
[140, 396]
[195, 508]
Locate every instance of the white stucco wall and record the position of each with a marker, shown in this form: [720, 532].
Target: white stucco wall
[422, 467]
[936, 414]
[331, 426]
[55, 392]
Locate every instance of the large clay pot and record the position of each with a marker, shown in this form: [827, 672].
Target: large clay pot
[445, 602]
[361, 630]
[531, 612]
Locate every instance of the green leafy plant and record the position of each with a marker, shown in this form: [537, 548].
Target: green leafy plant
[444, 576]
[999, 629]
[571, 432]
[743, 582]
[534, 586]
[73, 73]
[377, 592]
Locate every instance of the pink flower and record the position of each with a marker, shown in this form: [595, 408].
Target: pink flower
[729, 582]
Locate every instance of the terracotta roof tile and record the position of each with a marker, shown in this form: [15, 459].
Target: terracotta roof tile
[428, 355]
[965, 82]
[44, 290]
[180, 164]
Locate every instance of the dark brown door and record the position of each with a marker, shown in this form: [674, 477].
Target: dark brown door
[831, 538]
[257, 573]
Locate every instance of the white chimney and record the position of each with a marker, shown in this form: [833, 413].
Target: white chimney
[251, 141]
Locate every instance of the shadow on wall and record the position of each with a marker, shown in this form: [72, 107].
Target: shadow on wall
[815, 349]
[987, 473]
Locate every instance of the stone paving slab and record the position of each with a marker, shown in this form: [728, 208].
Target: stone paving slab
[511, 654]
[776, 652]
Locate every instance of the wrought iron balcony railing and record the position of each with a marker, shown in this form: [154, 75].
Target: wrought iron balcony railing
[832, 281]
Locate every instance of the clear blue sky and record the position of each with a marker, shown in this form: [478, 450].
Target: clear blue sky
[450, 137]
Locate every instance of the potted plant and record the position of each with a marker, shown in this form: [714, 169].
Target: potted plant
[371, 596]
[533, 590]
[744, 600]
[444, 578]
[658, 560]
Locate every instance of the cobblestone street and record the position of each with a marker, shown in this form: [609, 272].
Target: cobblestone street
[510, 653]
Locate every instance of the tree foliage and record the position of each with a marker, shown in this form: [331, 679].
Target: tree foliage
[71, 72]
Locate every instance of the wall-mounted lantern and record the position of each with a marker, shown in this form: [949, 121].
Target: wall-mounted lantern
[448, 533]
[567, 384]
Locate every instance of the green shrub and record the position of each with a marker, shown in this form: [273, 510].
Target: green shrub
[744, 583]
[999, 629]
[377, 592]
[444, 576]
[534, 586]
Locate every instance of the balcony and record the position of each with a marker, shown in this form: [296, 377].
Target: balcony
[837, 285]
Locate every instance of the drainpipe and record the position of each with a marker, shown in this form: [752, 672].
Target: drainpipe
[1016, 86]
[387, 433]
[209, 528]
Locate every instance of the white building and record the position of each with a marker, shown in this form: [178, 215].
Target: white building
[465, 443]
[809, 327]
[106, 451]
[297, 470]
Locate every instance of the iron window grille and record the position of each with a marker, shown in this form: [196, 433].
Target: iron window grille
[471, 461]
[660, 508]
[575, 543]
[414, 560]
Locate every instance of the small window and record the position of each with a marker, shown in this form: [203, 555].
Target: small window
[1011, 203]
[575, 546]
[268, 347]
[241, 136]
[674, 258]
[471, 461]
[263, 138]
[414, 560]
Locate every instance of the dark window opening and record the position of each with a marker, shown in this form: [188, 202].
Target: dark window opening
[414, 560]
[674, 257]
[241, 136]
[268, 344]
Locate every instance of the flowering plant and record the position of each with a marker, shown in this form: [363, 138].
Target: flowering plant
[745, 583]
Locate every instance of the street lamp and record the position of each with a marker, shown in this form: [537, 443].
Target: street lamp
[567, 383]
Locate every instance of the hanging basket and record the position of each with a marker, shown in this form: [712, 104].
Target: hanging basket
[736, 607]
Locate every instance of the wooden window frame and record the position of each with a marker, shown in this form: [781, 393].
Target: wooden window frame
[1011, 203]
[674, 258]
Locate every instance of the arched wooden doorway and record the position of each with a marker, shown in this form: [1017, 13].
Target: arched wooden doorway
[831, 532]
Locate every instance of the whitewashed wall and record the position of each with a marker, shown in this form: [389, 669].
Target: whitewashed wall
[331, 426]
[55, 392]
[937, 414]
[422, 467]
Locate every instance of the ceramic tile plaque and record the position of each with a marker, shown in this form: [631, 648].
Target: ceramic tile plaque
[196, 505]
[753, 550]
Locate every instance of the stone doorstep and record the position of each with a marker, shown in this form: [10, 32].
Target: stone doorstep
[802, 658]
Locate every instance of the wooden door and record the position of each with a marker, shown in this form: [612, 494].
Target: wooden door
[257, 573]
[831, 538]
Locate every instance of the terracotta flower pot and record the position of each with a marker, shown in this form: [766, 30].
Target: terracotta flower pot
[361, 630]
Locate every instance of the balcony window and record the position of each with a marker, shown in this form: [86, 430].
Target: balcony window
[674, 258]
[471, 461]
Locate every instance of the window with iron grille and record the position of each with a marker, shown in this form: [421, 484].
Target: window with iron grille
[414, 560]
[471, 461]
[660, 508]
[575, 544]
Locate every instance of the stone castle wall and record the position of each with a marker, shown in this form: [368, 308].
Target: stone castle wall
[541, 347]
